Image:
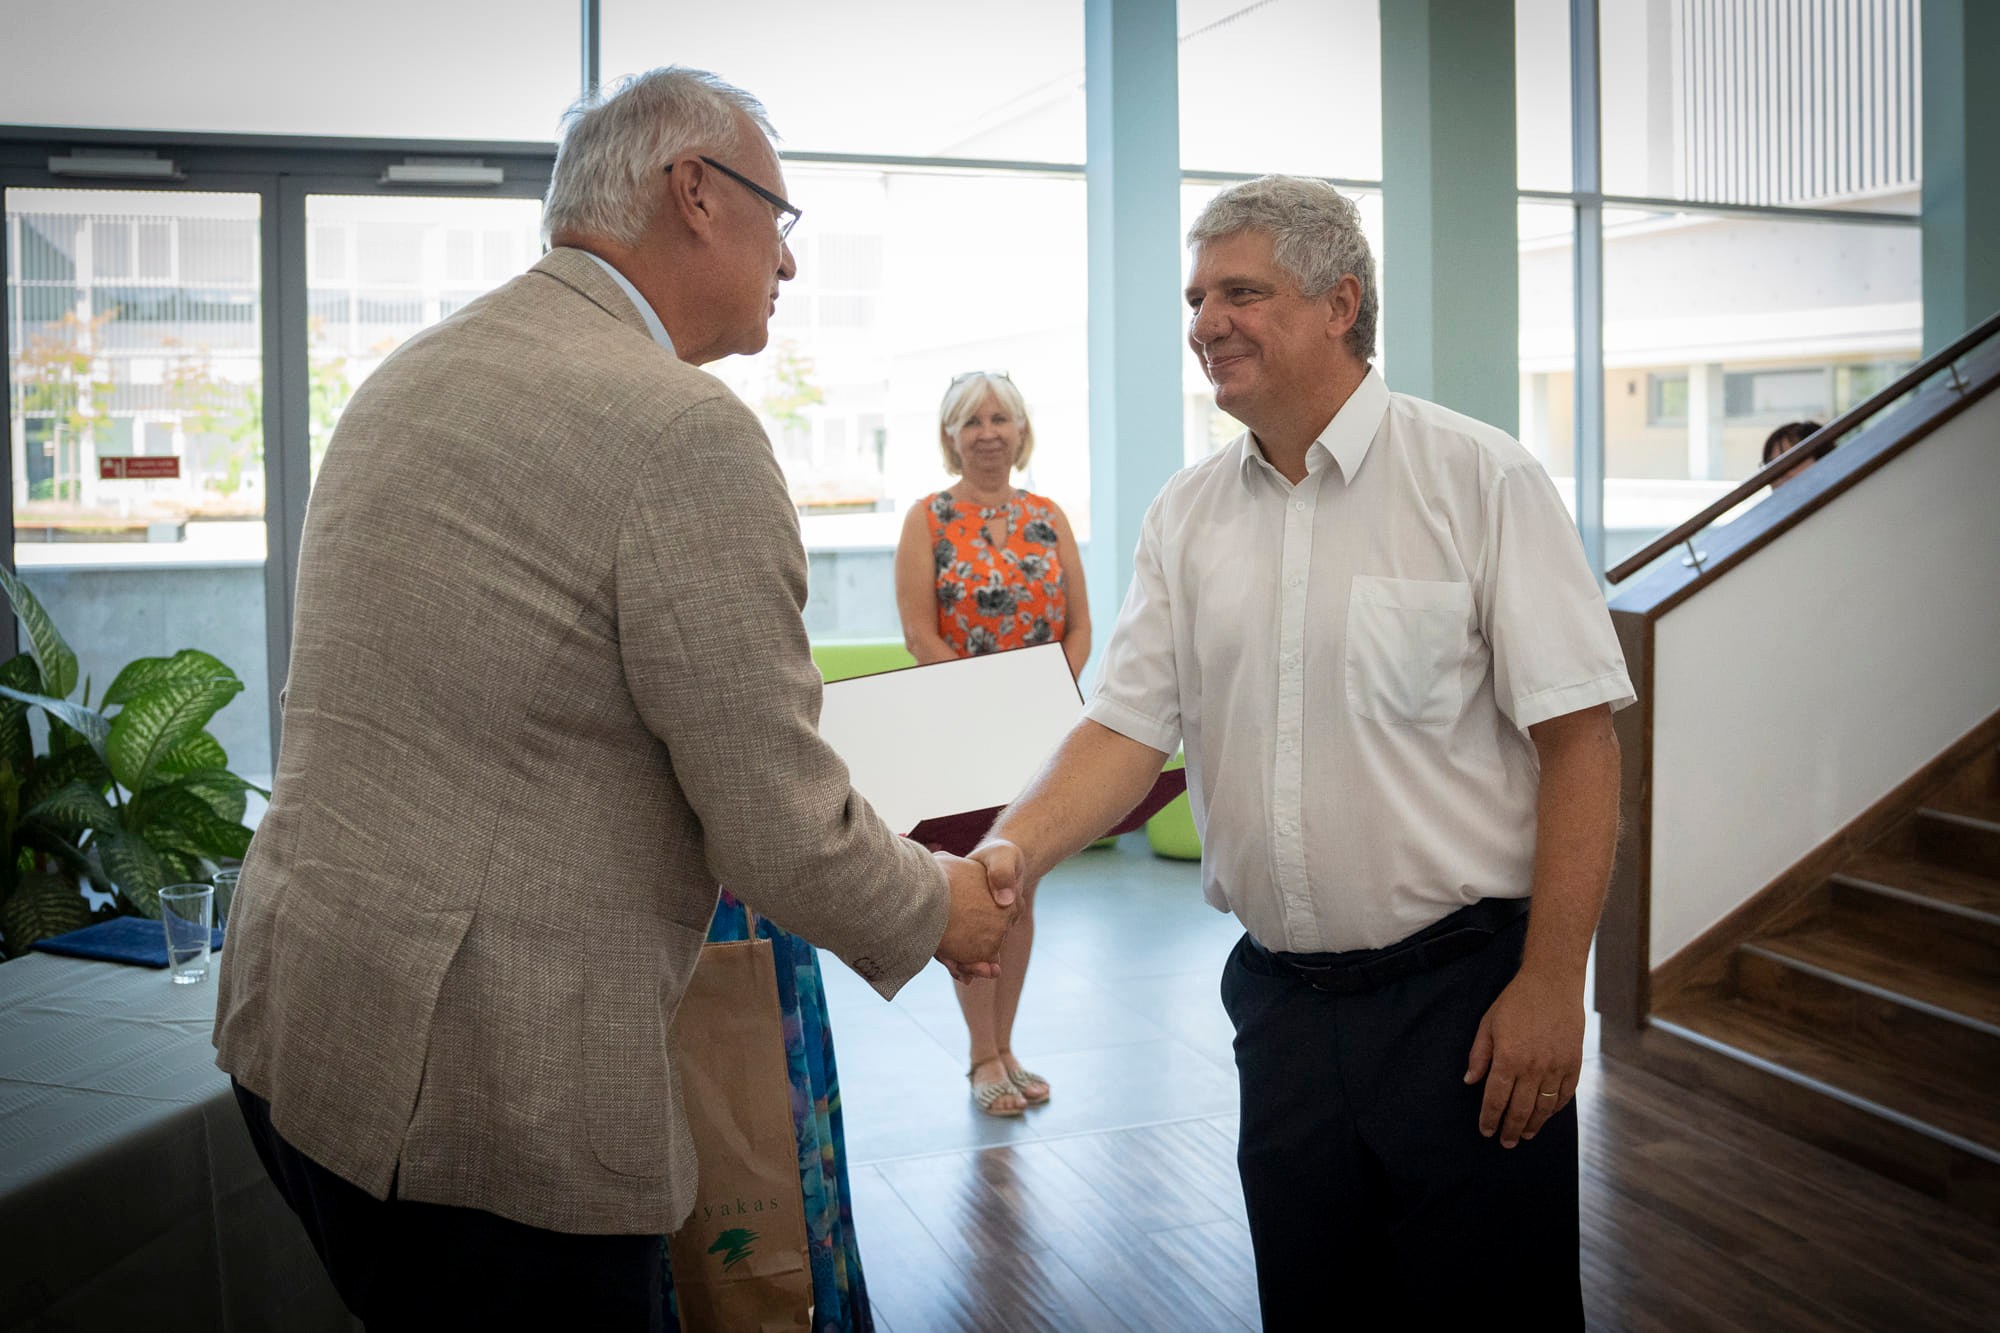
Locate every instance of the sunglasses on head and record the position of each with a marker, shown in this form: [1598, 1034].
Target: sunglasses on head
[959, 379]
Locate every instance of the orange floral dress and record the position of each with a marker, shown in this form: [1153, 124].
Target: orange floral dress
[992, 597]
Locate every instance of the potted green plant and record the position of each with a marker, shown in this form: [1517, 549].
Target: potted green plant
[123, 796]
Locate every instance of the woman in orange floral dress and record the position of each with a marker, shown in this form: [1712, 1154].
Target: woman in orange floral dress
[983, 567]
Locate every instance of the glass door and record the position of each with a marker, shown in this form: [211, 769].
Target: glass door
[135, 378]
[379, 269]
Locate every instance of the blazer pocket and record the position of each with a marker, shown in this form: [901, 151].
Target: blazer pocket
[1406, 649]
[631, 1106]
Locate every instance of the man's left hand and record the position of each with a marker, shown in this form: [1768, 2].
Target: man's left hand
[1529, 1049]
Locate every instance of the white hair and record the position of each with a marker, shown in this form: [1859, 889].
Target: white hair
[615, 145]
[965, 396]
[1316, 239]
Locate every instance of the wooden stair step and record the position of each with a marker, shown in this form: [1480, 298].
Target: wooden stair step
[1963, 935]
[1975, 791]
[1945, 1166]
[1887, 1025]
[1892, 966]
[1899, 1091]
[1977, 895]
[1958, 840]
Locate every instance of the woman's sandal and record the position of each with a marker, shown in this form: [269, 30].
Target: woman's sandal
[985, 1094]
[1023, 1079]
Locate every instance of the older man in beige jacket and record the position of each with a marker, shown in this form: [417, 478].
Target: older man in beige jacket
[549, 687]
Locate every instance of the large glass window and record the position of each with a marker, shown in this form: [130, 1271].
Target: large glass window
[913, 78]
[432, 69]
[1283, 85]
[1548, 340]
[906, 276]
[1541, 94]
[135, 408]
[1791, 102]
[380, 269]
[1719, 328]
[905, 280]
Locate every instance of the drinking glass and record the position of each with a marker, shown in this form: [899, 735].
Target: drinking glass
[225, 894]
[185, 912]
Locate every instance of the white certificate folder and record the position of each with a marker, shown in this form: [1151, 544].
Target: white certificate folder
[938, 750]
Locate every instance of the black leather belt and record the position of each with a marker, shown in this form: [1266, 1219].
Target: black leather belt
[1463, 933]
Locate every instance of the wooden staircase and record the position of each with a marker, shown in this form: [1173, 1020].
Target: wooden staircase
[1862, 1010]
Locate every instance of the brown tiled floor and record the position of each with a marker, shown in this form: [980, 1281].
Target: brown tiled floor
[1116, 1206]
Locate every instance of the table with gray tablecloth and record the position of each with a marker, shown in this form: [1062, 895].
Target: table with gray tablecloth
[130, 1194]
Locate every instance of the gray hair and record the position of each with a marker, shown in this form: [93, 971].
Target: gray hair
[963, 398]
[615, 144]
[1316, 239]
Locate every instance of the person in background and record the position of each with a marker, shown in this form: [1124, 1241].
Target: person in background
[1788, 436]
[549, 685]
[1372, 624]
[983, 567]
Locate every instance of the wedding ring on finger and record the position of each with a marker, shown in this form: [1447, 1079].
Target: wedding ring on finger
[1548, 1094]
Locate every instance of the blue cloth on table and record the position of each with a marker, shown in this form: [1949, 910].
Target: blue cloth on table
[840, 1296]
[122, 939]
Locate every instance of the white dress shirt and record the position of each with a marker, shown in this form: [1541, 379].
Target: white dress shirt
[1352, 664]
[640, 303]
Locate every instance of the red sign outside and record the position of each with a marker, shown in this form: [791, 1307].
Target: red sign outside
[135, 467]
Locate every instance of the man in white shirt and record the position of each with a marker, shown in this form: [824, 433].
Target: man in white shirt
[1371, 625]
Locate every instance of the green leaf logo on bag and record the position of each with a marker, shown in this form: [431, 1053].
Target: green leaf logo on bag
[734, 1246]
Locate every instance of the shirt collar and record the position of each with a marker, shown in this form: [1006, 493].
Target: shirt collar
[1346, 437]
[1354, 426]
[645, 309]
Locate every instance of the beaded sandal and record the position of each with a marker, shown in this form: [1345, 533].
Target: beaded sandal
[985, 1094]
[1023, 1079]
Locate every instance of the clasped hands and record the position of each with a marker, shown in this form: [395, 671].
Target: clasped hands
[985, 900]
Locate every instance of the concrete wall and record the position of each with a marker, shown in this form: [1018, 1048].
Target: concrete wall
[112, 614]
[853, 595]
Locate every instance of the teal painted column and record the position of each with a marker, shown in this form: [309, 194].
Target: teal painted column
[1961, 195]
[1132, 104]
[1451, 301]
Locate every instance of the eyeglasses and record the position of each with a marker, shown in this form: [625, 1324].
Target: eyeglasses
[957, 380]
[788, 215]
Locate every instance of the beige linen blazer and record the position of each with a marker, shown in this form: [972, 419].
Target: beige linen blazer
[549, 686]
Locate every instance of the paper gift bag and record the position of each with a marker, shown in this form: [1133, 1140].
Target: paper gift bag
[739, 1262]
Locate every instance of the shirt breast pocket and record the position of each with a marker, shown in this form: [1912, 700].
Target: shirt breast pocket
[1407, 649]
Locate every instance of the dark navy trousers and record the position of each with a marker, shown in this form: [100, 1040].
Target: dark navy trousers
[1374, 1202]
[400, 1265]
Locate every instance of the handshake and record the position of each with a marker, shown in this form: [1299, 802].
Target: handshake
[985, 898]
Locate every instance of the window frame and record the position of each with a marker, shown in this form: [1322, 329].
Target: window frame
[282, 171]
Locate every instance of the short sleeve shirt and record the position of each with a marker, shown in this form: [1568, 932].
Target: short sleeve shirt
[1352, 664]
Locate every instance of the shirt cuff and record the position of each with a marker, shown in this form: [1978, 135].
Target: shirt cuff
[1611, 688]
[1133, 725]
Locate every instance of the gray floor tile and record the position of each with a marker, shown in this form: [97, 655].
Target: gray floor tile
[1185, 1006]
[1117, 1087]
[1055, 1018]
[923, 1108]
[1120, 1013]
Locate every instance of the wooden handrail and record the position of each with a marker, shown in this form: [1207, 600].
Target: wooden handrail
[1813, 447]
